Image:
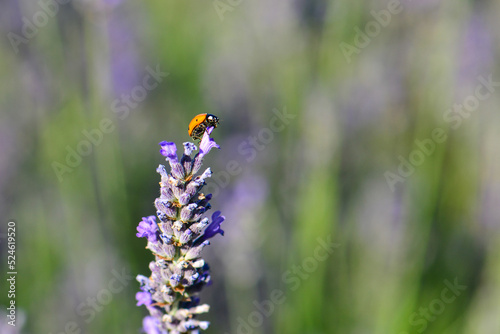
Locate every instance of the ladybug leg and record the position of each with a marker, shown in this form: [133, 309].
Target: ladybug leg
[198, 132]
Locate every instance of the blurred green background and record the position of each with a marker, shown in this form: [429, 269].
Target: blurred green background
[390, 153]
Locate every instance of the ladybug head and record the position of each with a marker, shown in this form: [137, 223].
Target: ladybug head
[212, 119]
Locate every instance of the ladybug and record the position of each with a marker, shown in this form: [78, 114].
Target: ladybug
[200, 123]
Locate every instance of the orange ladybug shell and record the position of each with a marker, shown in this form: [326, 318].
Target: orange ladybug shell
[200, 123]
[197, 120]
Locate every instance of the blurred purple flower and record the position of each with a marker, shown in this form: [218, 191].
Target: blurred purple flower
[150, 325]
[490, 211]
[147, 228]
[12, 17]
[239, 253]
[143, 298]
[113, 3]
[5, 325]
[125, 64]
[422, 5]
[477, 55]
[178, 272]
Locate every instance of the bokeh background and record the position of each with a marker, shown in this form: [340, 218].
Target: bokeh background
[360, 95]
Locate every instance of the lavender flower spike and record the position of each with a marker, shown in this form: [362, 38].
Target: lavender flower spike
[176, 238]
